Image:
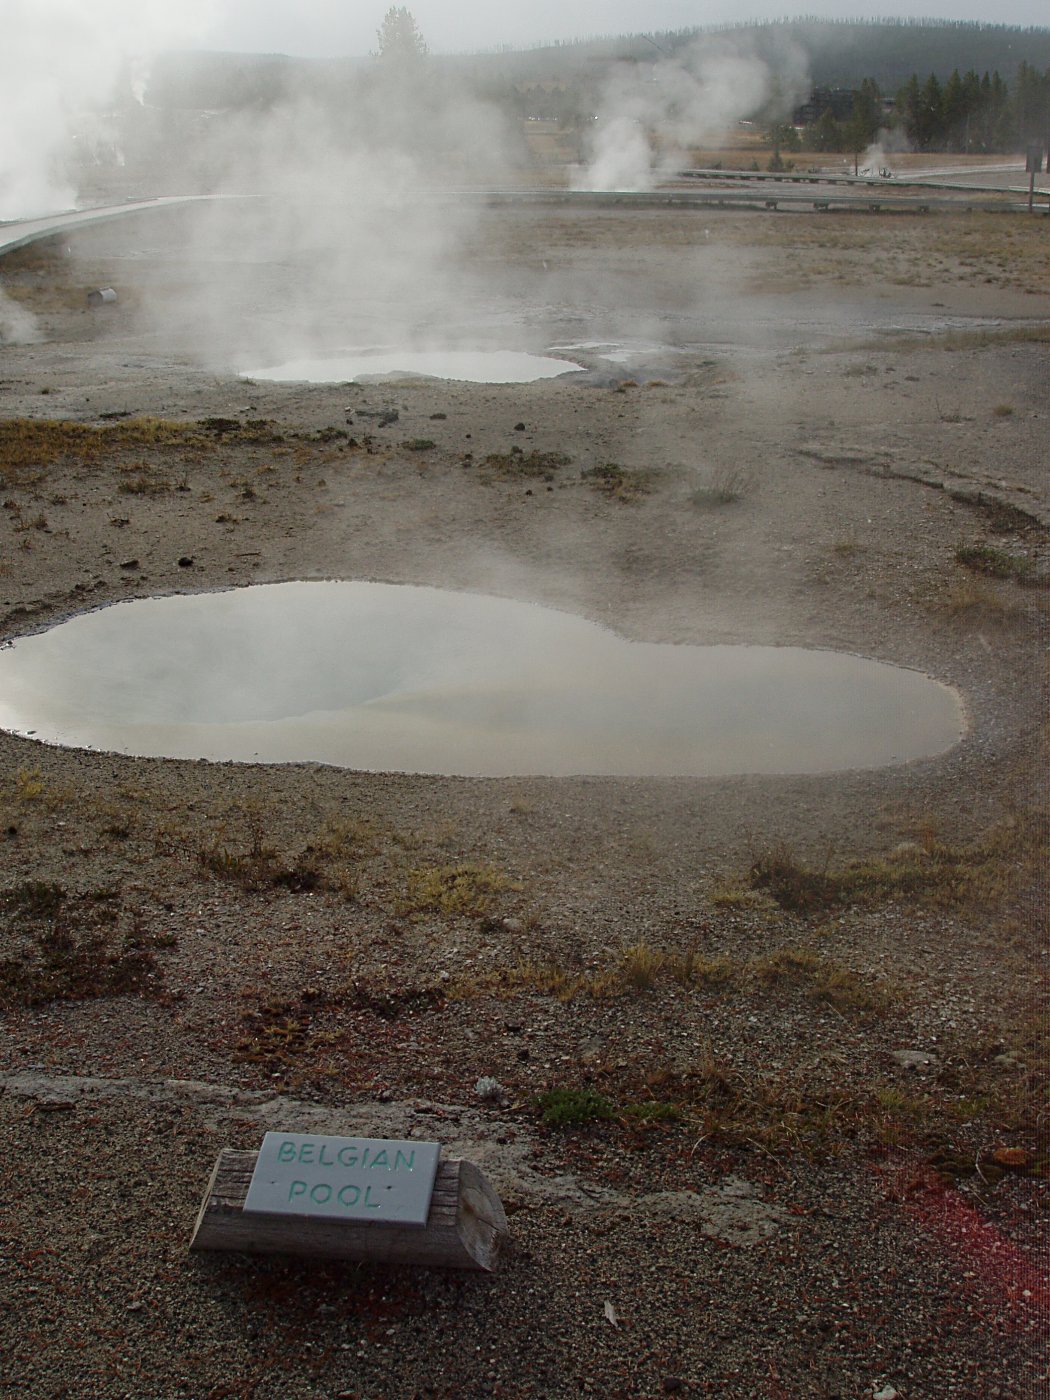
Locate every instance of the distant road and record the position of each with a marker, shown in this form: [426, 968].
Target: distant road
[941, 178]
[953, 170]
[20, 232]
[709, 188]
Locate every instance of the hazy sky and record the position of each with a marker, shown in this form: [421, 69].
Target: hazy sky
[329, 27]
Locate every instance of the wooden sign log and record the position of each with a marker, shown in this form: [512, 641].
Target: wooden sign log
[463, 1230]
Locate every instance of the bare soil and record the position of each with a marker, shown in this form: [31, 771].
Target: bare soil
[192, 953]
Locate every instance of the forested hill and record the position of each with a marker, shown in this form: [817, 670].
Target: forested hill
[841, 53]
[838, 53]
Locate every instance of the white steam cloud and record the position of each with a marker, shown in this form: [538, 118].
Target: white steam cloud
[59, 62]
[351, 235]
[355, 235]
[17, 325]
[345, 171]
[650, 113]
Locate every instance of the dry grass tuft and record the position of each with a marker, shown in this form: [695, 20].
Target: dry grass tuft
[619, 483]
[29, 447]
[972, 600]
[723, 486]
[640, 965]
[518, 465]
[976, 876]
[642, 968]
[453, 891]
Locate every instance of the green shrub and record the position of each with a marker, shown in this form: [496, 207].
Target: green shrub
[572, 1108]
[998, 563]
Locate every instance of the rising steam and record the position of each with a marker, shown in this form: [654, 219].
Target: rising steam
[360, 167]
[351, 190]
[60, 61]
[351, 162]
[650, 114]
[17, 325]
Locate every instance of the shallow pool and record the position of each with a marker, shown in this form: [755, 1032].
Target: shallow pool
[477, 366]
[394, 677]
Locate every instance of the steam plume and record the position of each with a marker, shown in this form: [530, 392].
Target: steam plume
[681, 101]
[357, 215]
[60, 60]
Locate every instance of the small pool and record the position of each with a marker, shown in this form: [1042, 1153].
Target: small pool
[402, 678]
[475, 366]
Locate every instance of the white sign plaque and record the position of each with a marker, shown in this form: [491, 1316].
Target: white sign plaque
[342, 1178]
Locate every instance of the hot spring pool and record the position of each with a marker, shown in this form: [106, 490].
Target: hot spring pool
[401, 678]
[476, 366]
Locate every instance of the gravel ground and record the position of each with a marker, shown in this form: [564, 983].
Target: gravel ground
[823, 1173]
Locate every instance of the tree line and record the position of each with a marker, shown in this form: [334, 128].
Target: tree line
[966, 113]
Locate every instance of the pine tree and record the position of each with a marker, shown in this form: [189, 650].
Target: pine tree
[863, 125]
[931, 128]
[1032, 105]
[399, 38]
[954, 109]
[909, 104]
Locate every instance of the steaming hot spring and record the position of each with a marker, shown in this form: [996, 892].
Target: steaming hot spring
[400, 678]
[477, 366]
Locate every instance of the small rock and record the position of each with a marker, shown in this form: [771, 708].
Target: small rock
[914, 1059]
[519, 427]
[1012, 1158]
[92, 1243]
[886, 1393]
[489, 1090]
[186, 562]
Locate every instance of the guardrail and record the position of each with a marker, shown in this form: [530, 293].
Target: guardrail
[885, 197]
